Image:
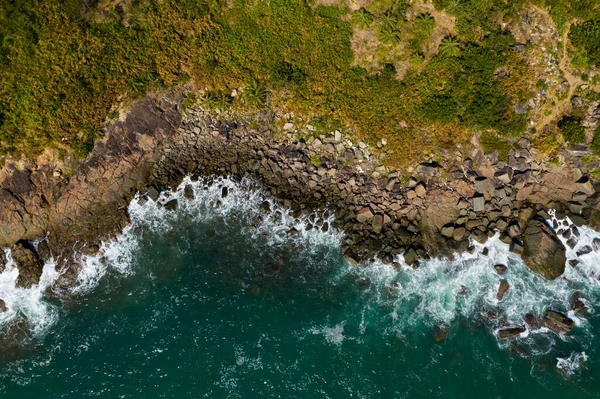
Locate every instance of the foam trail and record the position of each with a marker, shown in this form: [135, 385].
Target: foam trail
[572, 364]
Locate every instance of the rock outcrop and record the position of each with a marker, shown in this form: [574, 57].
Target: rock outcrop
[543, 252]
[435, 212]
[558, 322]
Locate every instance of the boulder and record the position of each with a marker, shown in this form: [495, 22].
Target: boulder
[578, 301]
[188, 191]
[29, 265]
[364, 215]
[3, 307]
[502, 290]
[510, 332]
[478, 204]
[558, 322]
[543, 252]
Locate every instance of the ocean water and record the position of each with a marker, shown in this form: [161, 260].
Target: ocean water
[224, 299]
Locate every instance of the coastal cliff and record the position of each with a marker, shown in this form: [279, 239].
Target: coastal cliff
[384, 213]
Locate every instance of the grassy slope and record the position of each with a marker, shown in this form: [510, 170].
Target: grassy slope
[63, 65]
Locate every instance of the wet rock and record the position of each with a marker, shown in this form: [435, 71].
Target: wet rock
[502, 290]
[510, 332]
[595, 244]
[578, 301]
[152, 193]
[501, 269]
[188, 192]
[3, 260]
[573, 262]
[410, 257]
[29, 265]
[516, 247]
[171, 205]
[543, 252]
[532, 321]
[558, 322]
[3, 307]
[265, 207]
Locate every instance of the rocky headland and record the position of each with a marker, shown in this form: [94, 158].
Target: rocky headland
[49, 212]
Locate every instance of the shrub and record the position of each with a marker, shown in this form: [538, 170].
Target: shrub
[572, 129]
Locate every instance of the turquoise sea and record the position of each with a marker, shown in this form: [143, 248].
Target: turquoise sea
[219, 299]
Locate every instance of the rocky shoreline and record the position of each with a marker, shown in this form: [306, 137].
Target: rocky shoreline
[435, 211]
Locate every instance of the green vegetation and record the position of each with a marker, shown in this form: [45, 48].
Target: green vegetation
[572, 129]
[64, 64]
[586, 36]
[595, 145]
[493, 143]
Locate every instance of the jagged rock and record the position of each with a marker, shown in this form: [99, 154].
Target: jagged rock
[558, 322]
[510, 332]
[586, 249]
[596, 244]
[501, 269]
[543, 252]
[502, 290]
[28, 264]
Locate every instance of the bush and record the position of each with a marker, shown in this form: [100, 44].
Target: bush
[572, 129]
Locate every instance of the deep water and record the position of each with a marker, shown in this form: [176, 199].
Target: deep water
[219, 299]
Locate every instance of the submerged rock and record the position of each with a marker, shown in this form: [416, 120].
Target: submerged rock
[441, 333]
[542, 250]
[558, 322]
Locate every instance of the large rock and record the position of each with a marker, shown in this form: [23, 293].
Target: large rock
[542, 250]
[558, 322]
[28, 264]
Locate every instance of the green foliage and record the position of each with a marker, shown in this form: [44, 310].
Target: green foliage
[61, 72]
[387, 22]
[450, 47]
[586, 36]
[254, 94]
[389, 36]
[362, 18]
[572, 129]
[425, 22]
[493, 143]
[595, 145]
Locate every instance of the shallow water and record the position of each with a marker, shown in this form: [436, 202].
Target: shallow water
[218, 300]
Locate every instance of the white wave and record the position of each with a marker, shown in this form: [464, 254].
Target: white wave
[572, 364]
[441, 291]
[333, 335]
[27, 303]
